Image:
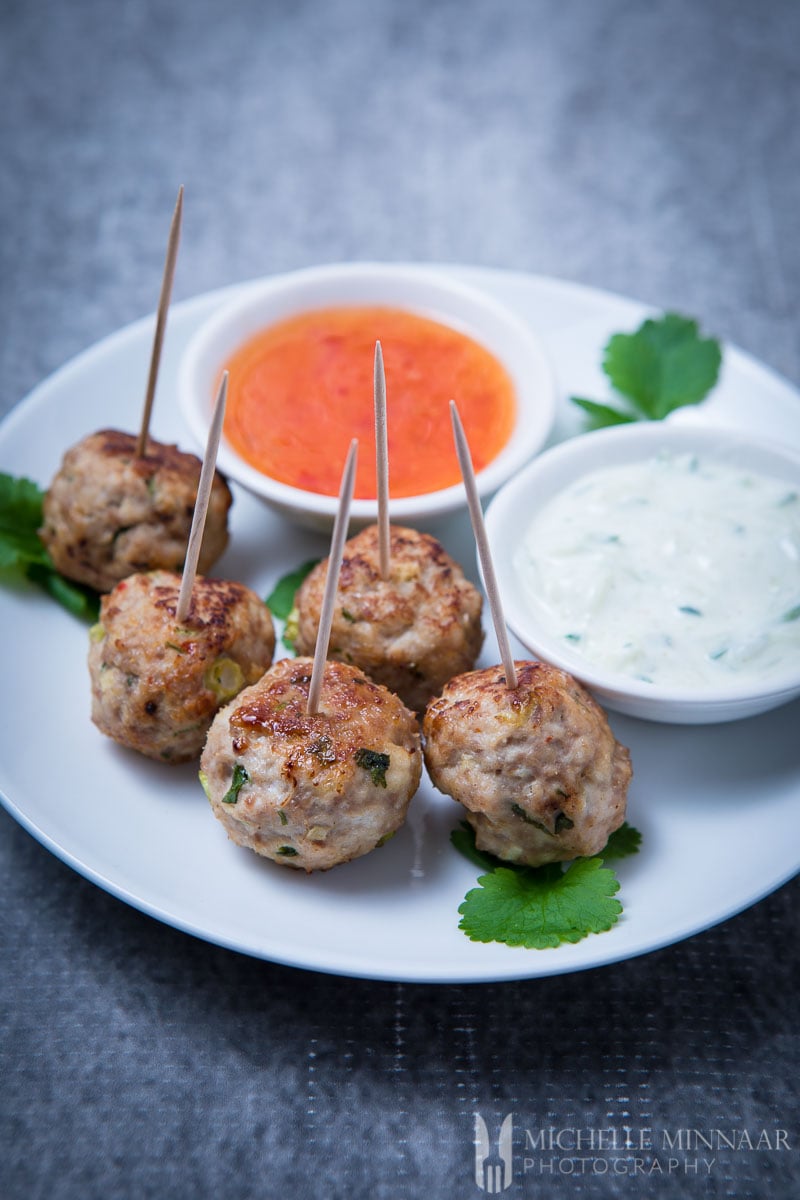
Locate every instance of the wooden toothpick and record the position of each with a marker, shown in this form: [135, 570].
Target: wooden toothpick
[332, 581]
[161, 321]
[479, 530]
[201, 504]
[381, 462]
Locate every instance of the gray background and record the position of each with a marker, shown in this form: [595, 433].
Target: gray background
[648, 148]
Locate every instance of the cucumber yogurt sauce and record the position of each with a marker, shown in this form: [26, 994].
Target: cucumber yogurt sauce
[678, 570]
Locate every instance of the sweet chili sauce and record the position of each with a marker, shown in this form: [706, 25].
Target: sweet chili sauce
[301, 389]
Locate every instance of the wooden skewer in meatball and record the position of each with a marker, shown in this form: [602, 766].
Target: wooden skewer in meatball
[536, 767]
[121, 503]
[158, 682]
[109, 513]
[524, 747]
[411, 631]
[170, 650]
[316, 764]
[312, 790]
[405, 613]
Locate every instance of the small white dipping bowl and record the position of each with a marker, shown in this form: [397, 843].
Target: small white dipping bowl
[415, 289]
[515, 505]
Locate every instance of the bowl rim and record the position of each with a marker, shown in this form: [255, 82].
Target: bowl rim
[568, 461]
[293, 292]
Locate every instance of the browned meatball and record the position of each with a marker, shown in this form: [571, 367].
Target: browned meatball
[411, 632]
[537, 768]
[109, 513]
[156, 685]
[312, 791]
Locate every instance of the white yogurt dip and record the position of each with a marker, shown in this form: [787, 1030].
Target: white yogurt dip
[677, 570]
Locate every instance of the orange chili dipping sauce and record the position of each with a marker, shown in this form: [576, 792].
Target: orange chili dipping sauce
[301, 389]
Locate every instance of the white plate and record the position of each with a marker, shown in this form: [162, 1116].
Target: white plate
[718, 805]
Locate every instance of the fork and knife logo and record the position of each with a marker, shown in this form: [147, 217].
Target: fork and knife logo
[493, 1171]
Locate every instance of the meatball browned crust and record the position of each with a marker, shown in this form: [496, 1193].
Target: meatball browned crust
[411, 632]
[312, 791]
[156, 685]
[537, 768]
[109, 513]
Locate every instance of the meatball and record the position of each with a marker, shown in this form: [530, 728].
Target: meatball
[312, 791]
[411, 632]
[537, 768]
[156, 685]
[109, 513]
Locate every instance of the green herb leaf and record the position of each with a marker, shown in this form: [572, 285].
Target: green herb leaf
[280, 601]
[240, 778]
[623, 842]
[376, 763]
[602, 415]
[79, 600]
[21, 548]
[542, 908]
[464, 841]
[665, 364]
[20, 517]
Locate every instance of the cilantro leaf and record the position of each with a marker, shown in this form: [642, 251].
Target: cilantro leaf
[601, 415]
[21, 548]
[280, 601]
[281, 604]
[79, 600]
[374, 762]
[665, 364]
[623, 842]
[464, 841]
[542, 908]
[240, 777]
[20, 517]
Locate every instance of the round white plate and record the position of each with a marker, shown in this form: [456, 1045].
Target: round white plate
[718, 806]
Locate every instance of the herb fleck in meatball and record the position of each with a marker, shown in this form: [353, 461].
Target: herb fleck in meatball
[109, 513]
[312, 791]
[537, 768]
[156, 685]
[411, 632]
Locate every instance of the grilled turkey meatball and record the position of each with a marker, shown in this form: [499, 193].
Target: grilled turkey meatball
[155, 684]
[411, 632]
[312, 791]
[109, 513]
[537, 768]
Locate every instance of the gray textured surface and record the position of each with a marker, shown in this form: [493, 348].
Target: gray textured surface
[647, 148]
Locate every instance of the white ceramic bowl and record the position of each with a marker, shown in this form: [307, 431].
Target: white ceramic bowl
[416, 289]
[516, 503]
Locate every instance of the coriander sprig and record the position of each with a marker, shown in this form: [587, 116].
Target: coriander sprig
[281, 604]
[22, 551]
[542, 907]
[664, 365]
